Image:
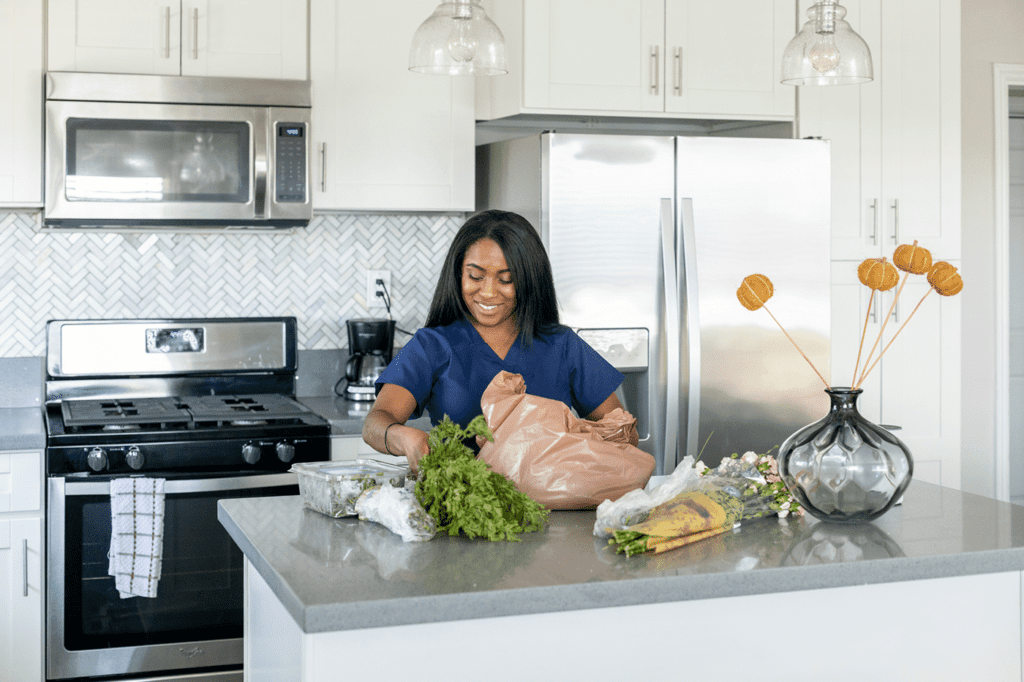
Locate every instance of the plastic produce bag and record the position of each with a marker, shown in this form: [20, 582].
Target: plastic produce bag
[634, 506]
[397, 510]
[555, 458]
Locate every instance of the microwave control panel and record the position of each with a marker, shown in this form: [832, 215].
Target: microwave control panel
[290, 163]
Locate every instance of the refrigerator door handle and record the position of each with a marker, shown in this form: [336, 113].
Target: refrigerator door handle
[691, 310]
[673, 337]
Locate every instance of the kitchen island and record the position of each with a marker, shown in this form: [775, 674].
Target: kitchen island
[932, 590]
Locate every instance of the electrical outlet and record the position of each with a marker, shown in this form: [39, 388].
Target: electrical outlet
[372, 288]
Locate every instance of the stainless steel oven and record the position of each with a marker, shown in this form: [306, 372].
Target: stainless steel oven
[151, 151]
[207, 407]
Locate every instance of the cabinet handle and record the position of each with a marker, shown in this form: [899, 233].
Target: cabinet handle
[167, 32]
[195, 33]
[24, 568]
[874, 222]
[323, 166]
[895, 221]
[677, 75]
[655, 69]
[874, 309]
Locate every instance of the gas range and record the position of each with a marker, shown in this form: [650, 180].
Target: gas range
[266, 432]
[165, 396]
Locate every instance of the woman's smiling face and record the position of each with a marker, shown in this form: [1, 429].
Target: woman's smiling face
[487, 288]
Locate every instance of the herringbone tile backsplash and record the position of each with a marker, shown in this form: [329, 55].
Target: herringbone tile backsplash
[316, 274]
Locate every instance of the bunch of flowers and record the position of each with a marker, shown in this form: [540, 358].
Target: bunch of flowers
[741, 488]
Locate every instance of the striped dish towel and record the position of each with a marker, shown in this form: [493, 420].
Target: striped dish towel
[137, 535]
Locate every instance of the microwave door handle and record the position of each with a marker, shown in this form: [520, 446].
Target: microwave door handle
[192, 485]
[261, 152]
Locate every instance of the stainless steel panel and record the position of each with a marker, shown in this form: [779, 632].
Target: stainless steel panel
[759, 206]
[210, 90]
[600, 219]
[81, 348]
[62, 663]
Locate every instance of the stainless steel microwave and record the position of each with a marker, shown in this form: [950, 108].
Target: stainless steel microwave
[176, 151]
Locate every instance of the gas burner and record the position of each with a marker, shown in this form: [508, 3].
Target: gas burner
[121, 427]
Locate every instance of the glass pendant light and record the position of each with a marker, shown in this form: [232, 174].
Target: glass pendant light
[826, 51]
[458, 39]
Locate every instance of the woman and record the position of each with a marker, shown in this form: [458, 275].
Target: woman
[494, 309]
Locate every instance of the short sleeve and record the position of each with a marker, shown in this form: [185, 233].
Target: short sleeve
[591, 378]
[416, 366]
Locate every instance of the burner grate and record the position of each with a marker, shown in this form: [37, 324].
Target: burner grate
[124, 415]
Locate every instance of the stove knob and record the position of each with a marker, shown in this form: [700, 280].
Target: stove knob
[285, 452]
[251, 453]
[134, 458]
[97, 459]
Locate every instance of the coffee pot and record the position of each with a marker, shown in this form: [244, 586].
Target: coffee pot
[370, 343]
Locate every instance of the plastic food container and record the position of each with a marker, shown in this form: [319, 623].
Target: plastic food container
[332, 488]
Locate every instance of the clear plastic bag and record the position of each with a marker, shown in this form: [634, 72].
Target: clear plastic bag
[634, 506]
[397, 510]
[554, 457]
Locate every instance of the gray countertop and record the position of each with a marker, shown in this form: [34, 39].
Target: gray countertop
[346, 416]
[22, 428]
[341, 574]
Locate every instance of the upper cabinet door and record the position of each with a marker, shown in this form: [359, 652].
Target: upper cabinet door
[21, 126]
[593, 55]
[385, 138]
[244, 38]
[114, 36]
[236, 38]
[657, 58]
[896, 139]
[726, 58]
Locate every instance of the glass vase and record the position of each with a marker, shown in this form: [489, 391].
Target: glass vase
[843, 468]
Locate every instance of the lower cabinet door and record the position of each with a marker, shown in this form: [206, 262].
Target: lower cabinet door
[21, 600]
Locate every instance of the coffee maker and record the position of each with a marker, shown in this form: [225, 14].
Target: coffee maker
[370, 343]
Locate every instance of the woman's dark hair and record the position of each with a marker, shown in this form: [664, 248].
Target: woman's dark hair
[536, 306]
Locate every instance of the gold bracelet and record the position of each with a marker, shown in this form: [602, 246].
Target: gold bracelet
[386, 438]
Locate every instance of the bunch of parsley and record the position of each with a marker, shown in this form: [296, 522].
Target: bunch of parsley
[464, 495]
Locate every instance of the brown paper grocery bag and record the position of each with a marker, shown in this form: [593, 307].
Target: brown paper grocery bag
[555, 458]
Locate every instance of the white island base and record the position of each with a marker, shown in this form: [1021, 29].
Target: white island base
[955, 628]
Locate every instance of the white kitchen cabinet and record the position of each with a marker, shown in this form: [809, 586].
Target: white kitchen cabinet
[21, 125]
[385, 138]
[661, 58]
[235, 38]
[21, 566]
[916, 386]
[896, 139]
[350, 447]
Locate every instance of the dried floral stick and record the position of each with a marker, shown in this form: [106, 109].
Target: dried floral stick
[879, 358]
[864, 333]
[882, 330]
[797, 347]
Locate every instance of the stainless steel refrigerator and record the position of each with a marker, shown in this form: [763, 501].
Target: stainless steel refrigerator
[649, 239]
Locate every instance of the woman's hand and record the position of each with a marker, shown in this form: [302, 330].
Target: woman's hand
[384, 428]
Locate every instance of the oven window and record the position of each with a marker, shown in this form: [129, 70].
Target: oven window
[156, 161]
[200, 592]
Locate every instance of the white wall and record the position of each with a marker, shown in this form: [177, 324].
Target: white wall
[992, 32]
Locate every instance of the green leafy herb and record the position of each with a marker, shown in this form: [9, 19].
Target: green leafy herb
[464, 495]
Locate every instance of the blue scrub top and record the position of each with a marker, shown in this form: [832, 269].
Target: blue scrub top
[447, 369]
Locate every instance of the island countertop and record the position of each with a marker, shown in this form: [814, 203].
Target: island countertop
[345, 574]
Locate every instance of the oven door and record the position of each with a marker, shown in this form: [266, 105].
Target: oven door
[194, 624]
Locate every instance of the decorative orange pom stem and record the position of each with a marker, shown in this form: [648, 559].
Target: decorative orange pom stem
[864, 333]
[885, 322]
[879, 358]
[797, 347]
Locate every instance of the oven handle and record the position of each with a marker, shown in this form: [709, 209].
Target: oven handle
[192, 485]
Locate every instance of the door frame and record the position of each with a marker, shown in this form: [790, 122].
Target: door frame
[1004, 76]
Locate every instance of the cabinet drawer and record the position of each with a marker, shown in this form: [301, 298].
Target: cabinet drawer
[21, 481]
